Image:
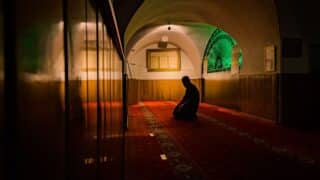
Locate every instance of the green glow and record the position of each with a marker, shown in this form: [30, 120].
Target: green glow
[219, 51]
[33, 47]
[240, 58]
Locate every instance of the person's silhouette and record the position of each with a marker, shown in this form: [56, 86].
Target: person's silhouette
[188, 106]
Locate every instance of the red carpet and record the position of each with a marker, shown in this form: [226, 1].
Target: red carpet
[217, 149]
[143, 160]
[84, 158]
[297, 142]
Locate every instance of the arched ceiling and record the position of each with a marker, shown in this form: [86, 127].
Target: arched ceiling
[253, 23]
[221, 13]
[191, 38]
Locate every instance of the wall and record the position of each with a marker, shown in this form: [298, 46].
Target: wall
[223, 90]
[137, 66]
[259, 95]
[298, 82]
[163, 89]
[290, 97]
[255, 94]
[133, 91]
[144, 85]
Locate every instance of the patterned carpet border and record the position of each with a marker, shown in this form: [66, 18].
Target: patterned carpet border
[183, 168]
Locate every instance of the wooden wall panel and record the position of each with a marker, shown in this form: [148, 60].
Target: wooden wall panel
[161, 90]
[258, 95]
[133, 91]
[253, 94]
[157, 89]
[112, 90]
[222, 92]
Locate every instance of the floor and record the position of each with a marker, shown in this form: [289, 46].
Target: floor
[221, 144]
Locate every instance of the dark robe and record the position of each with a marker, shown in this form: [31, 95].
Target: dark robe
[188, 106]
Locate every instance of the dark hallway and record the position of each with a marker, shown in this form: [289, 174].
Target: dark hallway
[88, 89]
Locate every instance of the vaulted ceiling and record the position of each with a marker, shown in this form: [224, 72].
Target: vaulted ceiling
[253, 23]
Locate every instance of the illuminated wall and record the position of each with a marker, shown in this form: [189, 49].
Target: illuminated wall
[226, 85]
[138, 67]
[144, 85]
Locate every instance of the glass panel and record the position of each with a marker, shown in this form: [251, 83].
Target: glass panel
[69, 123]
[113, 109]
[40, 57]
[82, 89]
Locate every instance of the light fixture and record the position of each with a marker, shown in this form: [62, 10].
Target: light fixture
[169, 27]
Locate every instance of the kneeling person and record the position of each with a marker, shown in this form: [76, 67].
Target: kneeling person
[187, 108]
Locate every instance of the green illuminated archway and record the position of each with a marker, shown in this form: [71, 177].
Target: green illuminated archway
[218, 52]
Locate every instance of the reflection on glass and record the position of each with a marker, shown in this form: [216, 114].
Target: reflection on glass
[39, 54]
[52, 145]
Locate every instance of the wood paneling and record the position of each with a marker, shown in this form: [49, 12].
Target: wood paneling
[253, 94]
[157, 89]
[258, 95]
[222, 92]
[161, 90]
[109, 89]
[133, 91]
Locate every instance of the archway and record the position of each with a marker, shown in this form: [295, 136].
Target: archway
[253, 89]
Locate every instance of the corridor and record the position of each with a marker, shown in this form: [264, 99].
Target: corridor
[88, 89]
